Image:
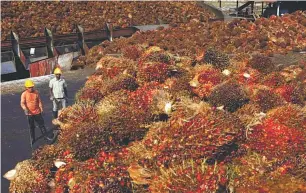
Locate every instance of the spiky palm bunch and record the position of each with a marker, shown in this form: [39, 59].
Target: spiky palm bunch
[216, 58]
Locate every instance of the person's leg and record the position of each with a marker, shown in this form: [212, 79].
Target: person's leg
[64, 103]
[31, 127]
[41, 123]
[39, 120]
[55, 109]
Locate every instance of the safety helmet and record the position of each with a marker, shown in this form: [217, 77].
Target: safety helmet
[57, 71]
[29, 84]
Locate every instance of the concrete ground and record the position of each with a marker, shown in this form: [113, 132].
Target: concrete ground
[15, 146]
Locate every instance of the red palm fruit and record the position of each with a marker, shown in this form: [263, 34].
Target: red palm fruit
[205, 79]
[132, 52]
[275, 140]
[153, 72]
[248, 76]
[290, 93]
[285, 91]
[289, 115]
[273, 80]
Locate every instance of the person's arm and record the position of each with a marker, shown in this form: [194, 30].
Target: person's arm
[51, 90]
[40, 103]
[65, 89]
[23, 104]
[51, 93]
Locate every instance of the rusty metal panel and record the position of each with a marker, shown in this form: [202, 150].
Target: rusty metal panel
[65, 61]
[51, 63]
[55, 52]
[34, 69]
[43, 67]
[23, 58]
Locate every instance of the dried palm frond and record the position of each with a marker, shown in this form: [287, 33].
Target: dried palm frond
[139, 174]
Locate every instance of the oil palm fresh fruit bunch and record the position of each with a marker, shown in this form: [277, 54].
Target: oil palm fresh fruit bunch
[230, 95]
[216, 58]
[205, 80]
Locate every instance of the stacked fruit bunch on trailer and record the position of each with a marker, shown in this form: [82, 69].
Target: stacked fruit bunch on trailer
[264, 36]
[195, 108]
[60, 17]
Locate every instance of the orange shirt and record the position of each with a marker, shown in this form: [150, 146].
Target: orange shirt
[31, 101]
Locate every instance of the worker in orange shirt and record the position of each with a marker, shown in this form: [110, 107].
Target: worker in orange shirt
[33, 109]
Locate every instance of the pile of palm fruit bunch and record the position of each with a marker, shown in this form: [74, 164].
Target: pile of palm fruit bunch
[169, 113]
[265, 36]
[159, 122]
[61, 17]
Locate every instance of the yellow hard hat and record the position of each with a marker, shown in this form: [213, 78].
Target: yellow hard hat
[29, 84]
[57, 71]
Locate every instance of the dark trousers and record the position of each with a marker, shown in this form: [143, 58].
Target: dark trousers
[39, 120]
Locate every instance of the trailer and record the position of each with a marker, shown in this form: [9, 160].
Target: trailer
[38, 56]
